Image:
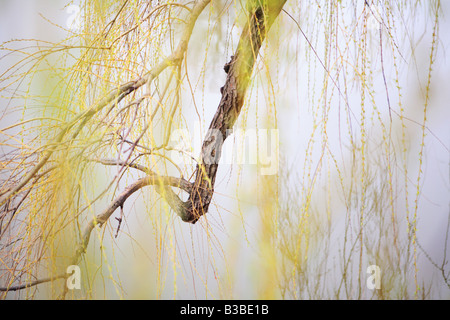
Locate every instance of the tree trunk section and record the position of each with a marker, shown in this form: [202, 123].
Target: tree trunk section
[239, 71]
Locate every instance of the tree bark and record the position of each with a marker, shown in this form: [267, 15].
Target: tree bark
[262, 14]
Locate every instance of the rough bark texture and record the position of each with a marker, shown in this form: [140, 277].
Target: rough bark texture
[239, 71]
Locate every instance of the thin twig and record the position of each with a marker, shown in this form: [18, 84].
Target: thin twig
[32, 283]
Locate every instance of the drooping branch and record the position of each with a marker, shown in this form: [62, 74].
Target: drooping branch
[101, 218]
[162, 184]
[180, 183]
[114, 96]
[32, 283]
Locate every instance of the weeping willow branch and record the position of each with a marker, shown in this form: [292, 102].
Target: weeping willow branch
[33, 283]
[239, 70]
[161, 182]
[261, 15]
[80, 120]
[166, 180]
[114, 96]
[101, 218]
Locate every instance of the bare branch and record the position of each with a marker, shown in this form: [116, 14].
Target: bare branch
[166, 180]
[32, 283]
[239, 71]
[162, 183]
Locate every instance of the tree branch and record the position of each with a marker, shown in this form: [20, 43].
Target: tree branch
[180, 183]
[115, 95]
[32, 283]
[262, 14]
[162, 182]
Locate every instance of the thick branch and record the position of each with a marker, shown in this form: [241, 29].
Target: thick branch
[239, 70]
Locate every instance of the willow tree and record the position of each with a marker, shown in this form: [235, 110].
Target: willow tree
[101, 131]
